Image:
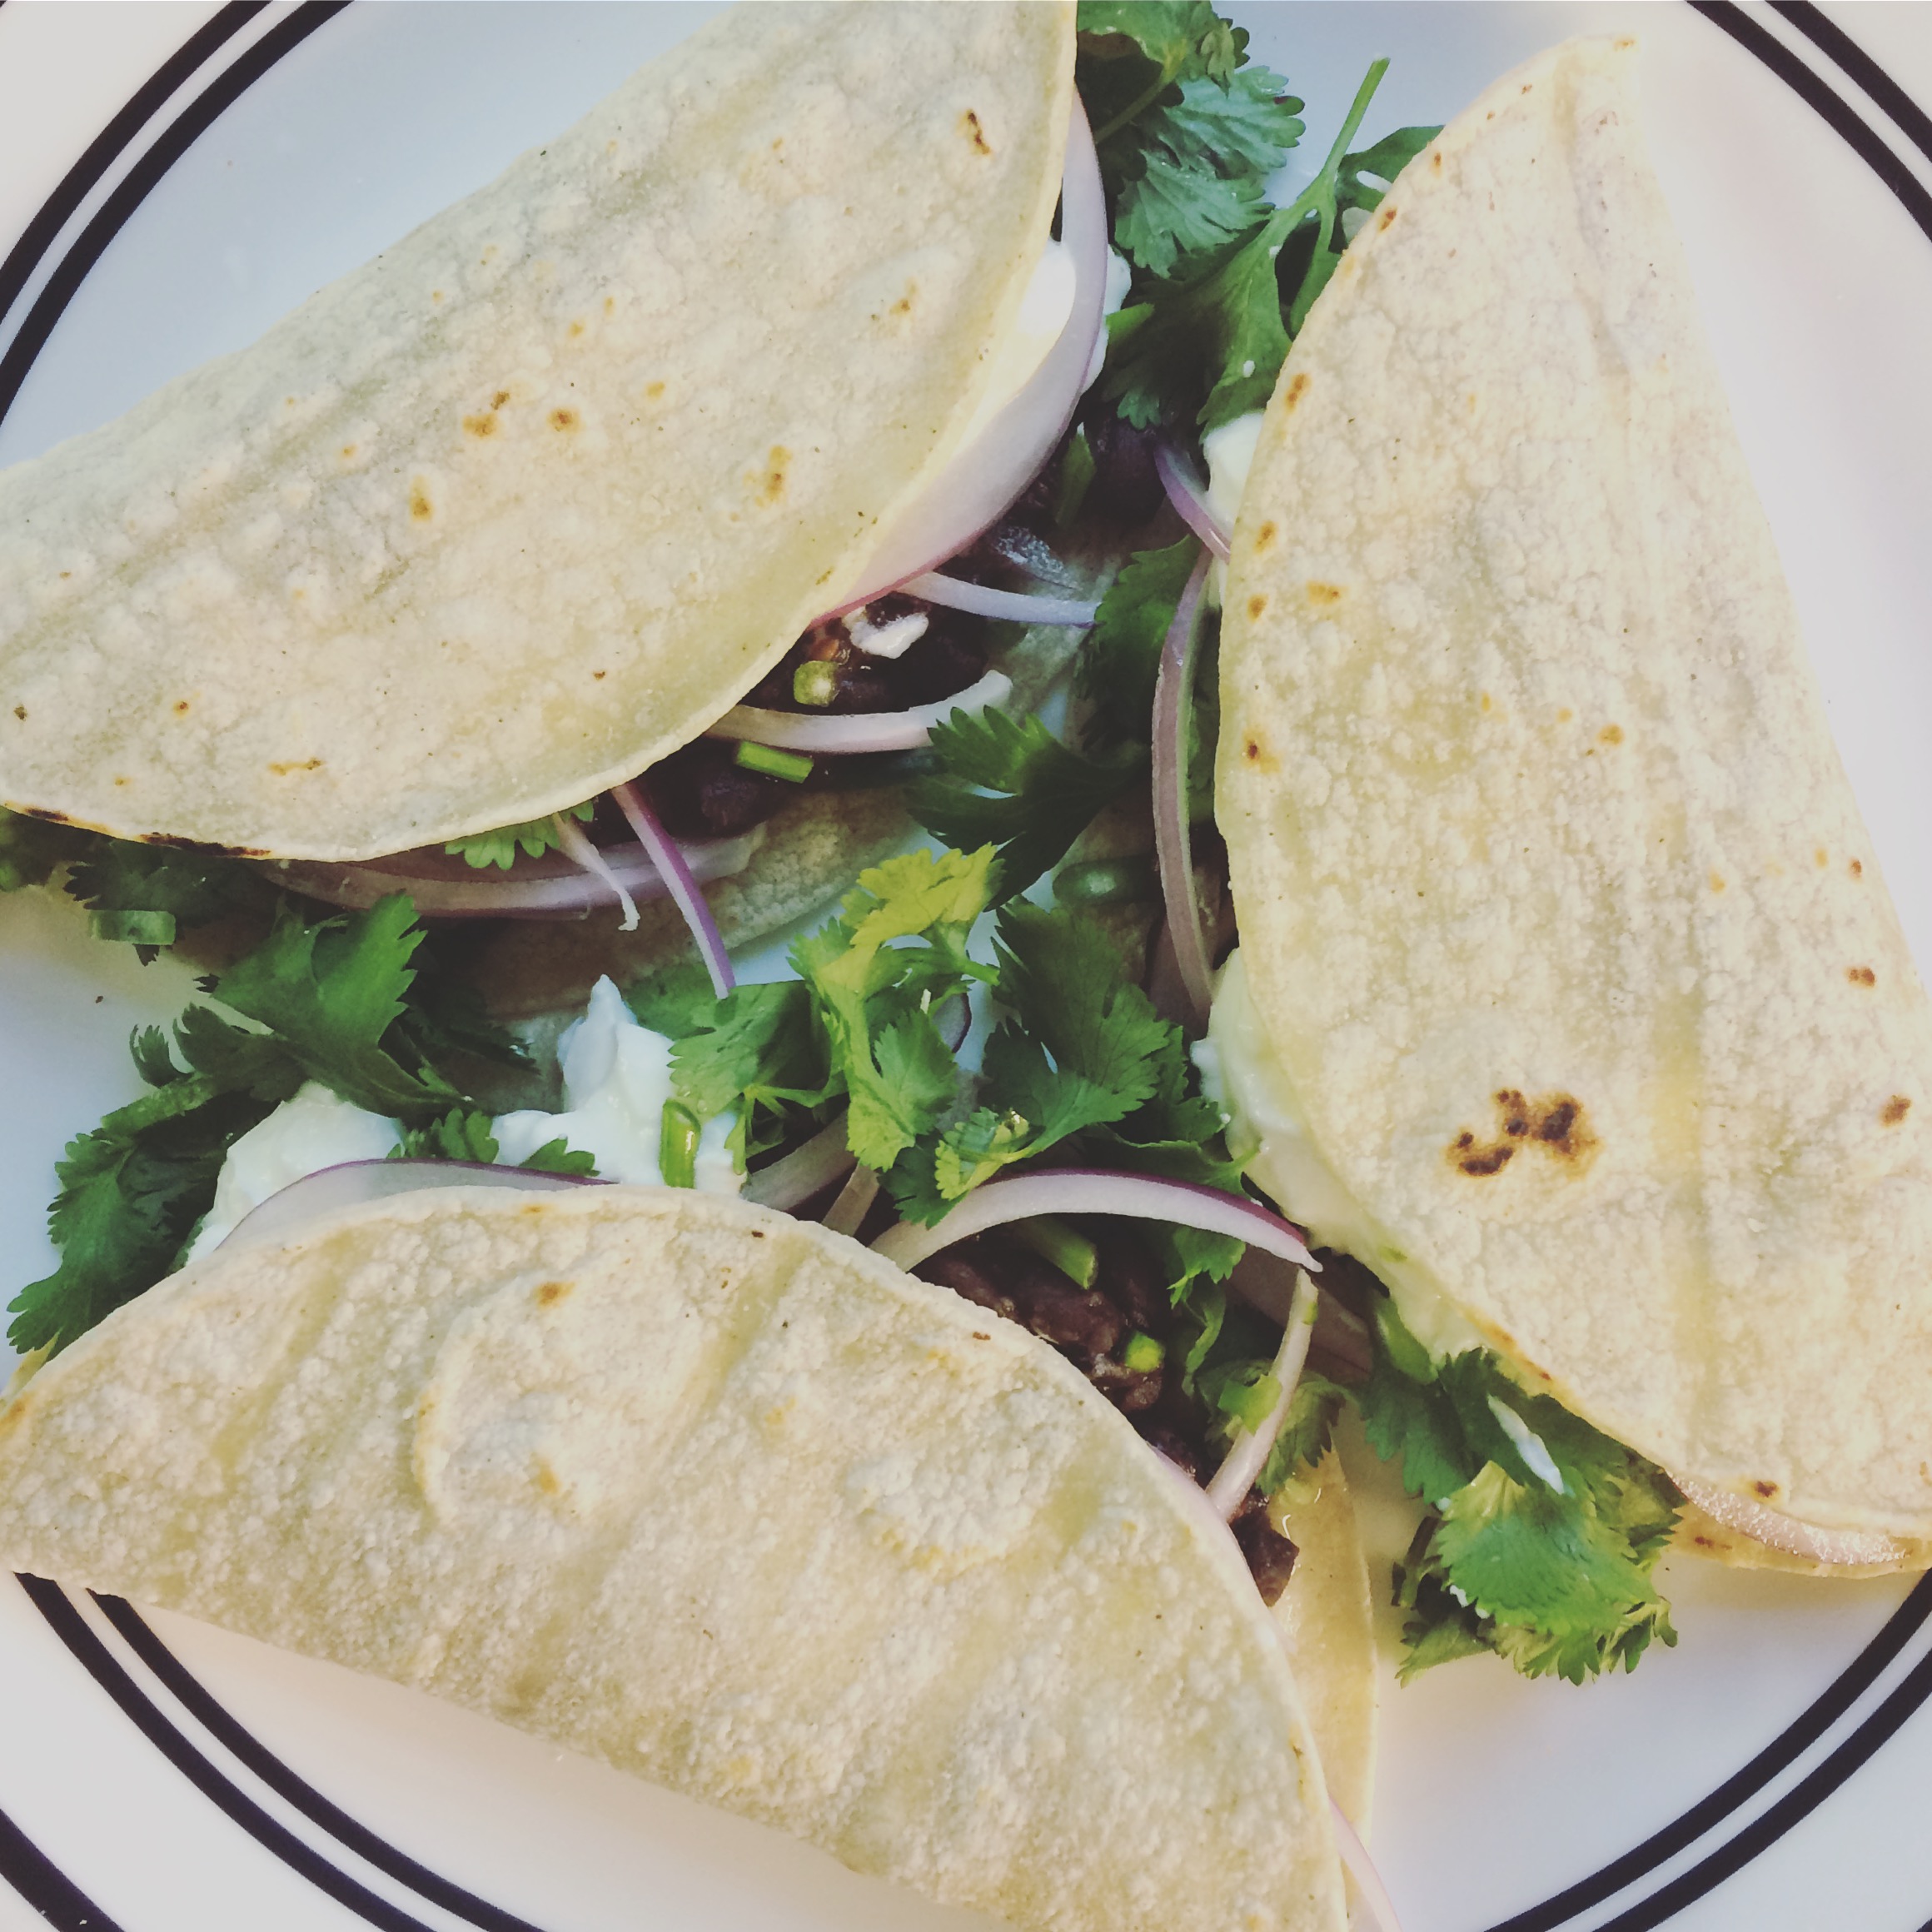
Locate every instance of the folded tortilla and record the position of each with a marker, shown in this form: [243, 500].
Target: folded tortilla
[508, 513]
[1570, 998]
[724, 1500]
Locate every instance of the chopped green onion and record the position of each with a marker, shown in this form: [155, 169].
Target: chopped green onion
[133, 928]
[1075, 478]
[815, 683]
[1104, 882]
[791, 766]
[1067, 1248]
[677, 1145]
[1142, 1354]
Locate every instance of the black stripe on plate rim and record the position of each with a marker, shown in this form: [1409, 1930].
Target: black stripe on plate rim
[194, 1698]
[174, 141]
[107, 147]
[40, 1881]
[1831, 39]
[100, 1663]
[1817, 92]
[1718, 1866]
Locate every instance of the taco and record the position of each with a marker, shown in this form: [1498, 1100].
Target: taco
[727, 1502]
[1569, 997]
[527, 505]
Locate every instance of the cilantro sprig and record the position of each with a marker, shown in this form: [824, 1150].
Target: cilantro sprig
[533, 836]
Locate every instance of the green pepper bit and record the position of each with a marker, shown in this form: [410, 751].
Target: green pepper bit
[815, 683]
[677, 1145]
[791, 766]
[1143, 1355]
[1065, 1248]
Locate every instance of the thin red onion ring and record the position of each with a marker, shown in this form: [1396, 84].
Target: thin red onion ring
[1248, 1457]
[352, 1183]
[1189, 496]
[679, 882]
[999, 463]
[1097, 1191]
[552, 886]
[1013, 606]
[806, 1169]
[849, 731]
[1778, 1531]
[1173, 687]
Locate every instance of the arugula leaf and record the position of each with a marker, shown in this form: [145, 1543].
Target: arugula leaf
[331, 991]
[1010, 782]
[1122, 657]
[532, 836]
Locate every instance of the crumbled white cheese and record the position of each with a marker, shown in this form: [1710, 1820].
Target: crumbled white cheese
[314, 1130]
[617, 1077]
[892, 639]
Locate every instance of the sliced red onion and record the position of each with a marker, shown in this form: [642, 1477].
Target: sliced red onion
[857, 730]
[1097, 1191]
[1360, 1866]
[1174, 690]
[1016, 607]
[1778, 1531]
[854, 1202]
[446, 886]
[679, 882]
[353, 1183]
[1006, 454]
[575, 844]
[807, 1170]
[1245, 1460]
[1189, 496]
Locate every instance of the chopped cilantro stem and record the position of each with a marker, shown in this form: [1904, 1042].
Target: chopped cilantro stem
[1104, 882]
[1143, 1355]
[1065, 1248]
[677, 1145]
[132, 928]
[793, 766]
[1141, 102]
[816, 684]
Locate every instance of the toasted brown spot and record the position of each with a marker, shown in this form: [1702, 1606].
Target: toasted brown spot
[1895, 1110]
[599, 673]
[20, 711]
[1565, 715]
[549, 1293]
[121, 781]
[974, 133]
[1436, 160]
[654, 390]
[1488, 704]
[348, 452]
[1766, 1490]
[1716, 882]
[1489, 1161]
[611, 305]
[1611, 734]
[436, 295]
[181, 706]
[546, 1478]
[420, 506]
[1386, 216]
[564, 420]
[1264, 537]
[1297, 389]
[1703, 1542]
[501, 396]
[1256, 605]
[65, 575]
[1554, 1123]
[758, 1234]
[774, 487]
[1324, 593]
[42, 812]
[903, 305]
[1527, 85]
[1251, 751]
[296, 764]
[1855, 869]
[1820, 858]
[980, 1335]
[481, 425]
[576, 329]
[1861, 975]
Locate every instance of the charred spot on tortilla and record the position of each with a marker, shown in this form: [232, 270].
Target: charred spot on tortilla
[1766, 1490]
[1861, 975]
[1297, 389]
[483, 425]
[564, 421]
[772, 488]
[181, 708]
[1856, 869]
[283, 769]
[1264, 537]
[420, 506]
[1257, 605]
[1554, 1122]
[974, 133]
[1611, 734]
[1386, 216]
[174, 842]
[1324, 593]
[1895, 1110]
[549, 1293]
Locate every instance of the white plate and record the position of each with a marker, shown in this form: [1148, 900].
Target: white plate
[164, 1775]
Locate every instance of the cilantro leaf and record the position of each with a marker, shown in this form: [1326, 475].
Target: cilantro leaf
[189, 889]
[1306, 1433]
[1010, 782]
[31, 849]
[532, 836]
[1122, 657]
[468, 1134]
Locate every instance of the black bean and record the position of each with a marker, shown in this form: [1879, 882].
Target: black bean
[699, 793]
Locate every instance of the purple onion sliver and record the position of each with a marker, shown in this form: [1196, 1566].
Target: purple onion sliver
[1097, 1191]
[683, 887]
[1012, 606]
[354, 1183]
[1189, 498]
[979, 486]
[804, 1171]
[856, 731]
[1361, 1867]
[1173, 689]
